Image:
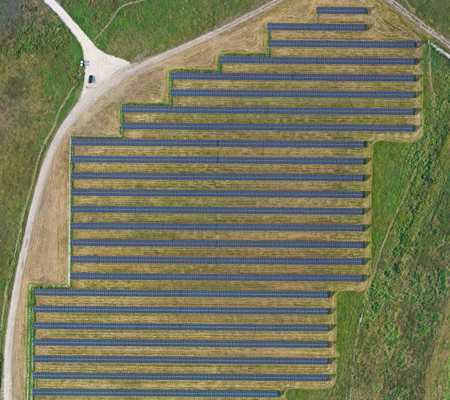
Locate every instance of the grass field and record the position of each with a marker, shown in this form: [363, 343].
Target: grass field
[407, 302]
[336, 318]
[151, 27]
[38, 66]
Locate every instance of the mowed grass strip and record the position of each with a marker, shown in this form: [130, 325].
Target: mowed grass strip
[344, 52]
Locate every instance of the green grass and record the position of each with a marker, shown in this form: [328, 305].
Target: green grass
[409, 294]
[435, 13]
[38, 66]
[150, 27]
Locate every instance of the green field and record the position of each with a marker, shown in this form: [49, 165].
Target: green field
[406, 302]
[38, 66]
[147, 28]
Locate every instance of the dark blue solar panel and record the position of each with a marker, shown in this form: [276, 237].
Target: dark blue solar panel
[217, 210]
[217, 260]
[316, 60]
[181, 376]
[249, 76]
[316, 27]
[182, 293]
[290, 94]
[219, 160]
[190, 393]
[158, 226]
[267, 127]
[311, 194]
[216, 277]
[266, 110]
[182, 327]
[218, 143]
[219, 176]
[400, 44]
[287, 244]
[183, 360]
[182, 310]
[275, 344]
[340, 10]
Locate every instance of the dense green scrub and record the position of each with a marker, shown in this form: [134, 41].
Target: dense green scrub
[406, 302]
[38, 66]
[150, 27]
[433, 12]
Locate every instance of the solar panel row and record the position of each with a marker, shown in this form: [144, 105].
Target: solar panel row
[161, 226]
[182, 293]
[217, 210]
[216, 260]
[256, 394]
[316, 27]
[216, 277]
[219, 176]
[399, 44]
[291, 94]
[288, 244]
[267, 110]
[311, 194]
[182, 360]
[341, 10]
[217, 143]
[182, 327]
[245, 76]
[275, 344]
[182, 310]
[181, 376]
[219, 160]
[316, 60]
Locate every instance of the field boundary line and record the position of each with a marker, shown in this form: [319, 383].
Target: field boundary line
[115, 14]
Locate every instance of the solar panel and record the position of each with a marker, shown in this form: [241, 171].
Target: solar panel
[181, 376]
[182, 327]
[190, 393]
[183, 293]
[289, 94]
[220, 160]
[182, 360]
[274, 244]
[216, 210]
[219, 176]
[162, 226]
[316, 27]
[217, 260]
[316, 60]
[399, 44]
[340, 10]
[265, 110]
[274, 344]
[312, 194]
[217, 143]
[182, 310]
[215, 277]
[246, 76]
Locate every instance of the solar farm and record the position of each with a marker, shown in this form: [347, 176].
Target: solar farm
[208, 242]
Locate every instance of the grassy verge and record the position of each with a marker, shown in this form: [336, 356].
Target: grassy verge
[434, 13]
[409, 294]
[38, 66]
[150, 27]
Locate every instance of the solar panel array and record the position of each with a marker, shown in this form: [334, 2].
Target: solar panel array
[285, 93]
[208, 241]
[376, 44]
[316, 60]
[341, 10]
[317, 27]
[266, 127]
[246, 76]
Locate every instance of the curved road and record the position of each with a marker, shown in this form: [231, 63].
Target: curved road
[109, 72]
